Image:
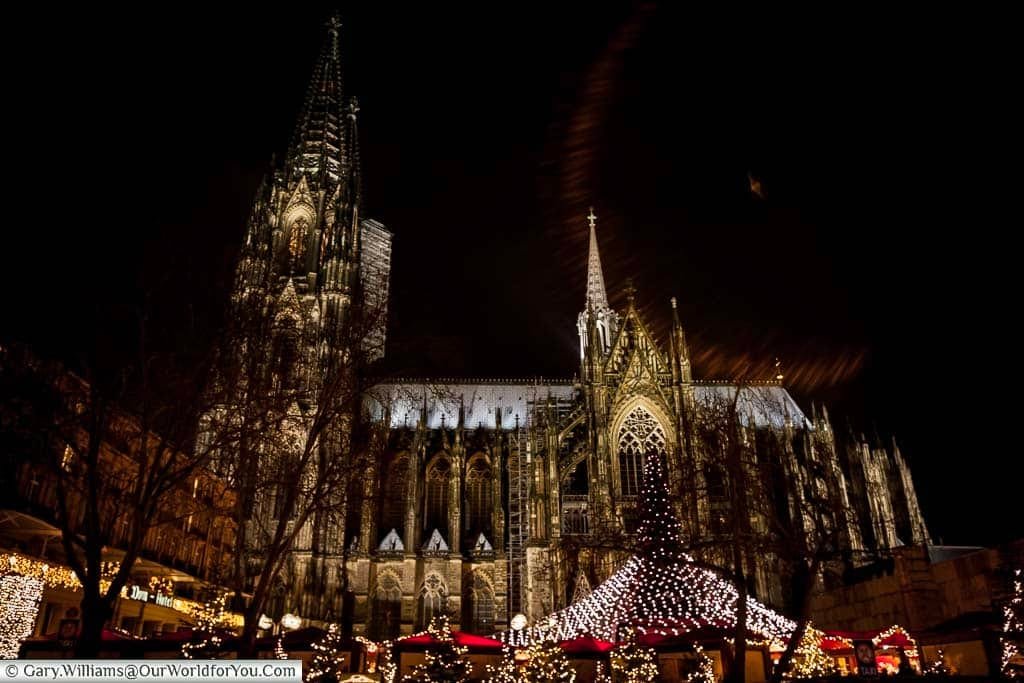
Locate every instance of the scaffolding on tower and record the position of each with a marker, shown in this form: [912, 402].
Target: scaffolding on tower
[518, 516]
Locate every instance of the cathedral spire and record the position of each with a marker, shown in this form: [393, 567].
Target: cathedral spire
[597, 298]
[319, 143]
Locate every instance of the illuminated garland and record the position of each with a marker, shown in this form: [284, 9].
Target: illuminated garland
[19, 604]
[52, 576]
[1012, 664]
[659, 590]
[705, 672]
[445, 660]
[600, 675]
[59, 577]
[327, 657]
[209, 619]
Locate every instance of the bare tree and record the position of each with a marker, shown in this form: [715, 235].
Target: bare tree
[116, 439]
[299, 465]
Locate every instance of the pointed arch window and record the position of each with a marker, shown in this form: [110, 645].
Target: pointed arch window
[639, 435]
[436, 501]
[479, 497]
[393, 512]
[386, 614]
[479, 616]
[297, 239]
[433, 601]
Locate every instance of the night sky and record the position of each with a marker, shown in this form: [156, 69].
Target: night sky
[875, 267]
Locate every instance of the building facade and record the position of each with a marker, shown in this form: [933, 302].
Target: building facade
[485, 498]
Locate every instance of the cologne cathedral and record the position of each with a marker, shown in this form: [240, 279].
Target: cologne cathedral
[487, 498]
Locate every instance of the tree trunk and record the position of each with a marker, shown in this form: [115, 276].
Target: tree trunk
[247, 641]
[738, 671]
[803, 583]
[95, 613]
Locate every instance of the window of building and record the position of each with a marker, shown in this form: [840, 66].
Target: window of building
[395, 497]
[639, 435]
[436, 502]
[386, 610]
[479, 497]
[480, 608]
[433, 600]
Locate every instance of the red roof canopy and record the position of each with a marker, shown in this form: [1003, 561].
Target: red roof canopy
[586, 645]
[835, 640]
[461, 639]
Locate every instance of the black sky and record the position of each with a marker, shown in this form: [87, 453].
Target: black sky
[879, 268]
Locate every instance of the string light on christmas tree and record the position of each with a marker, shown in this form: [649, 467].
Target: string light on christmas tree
[809, 660]
[209, 618]
[328, 656]
[939, 666]
[445, 661]
[19, 604]
[386, 662]
[1012, 640]
[507, 670]
[634, 664]
[546, 661]
[659, 590]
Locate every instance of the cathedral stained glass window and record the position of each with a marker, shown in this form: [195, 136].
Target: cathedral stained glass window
[639, 435]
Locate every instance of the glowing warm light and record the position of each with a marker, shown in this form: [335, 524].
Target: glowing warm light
[659, 590]
[291, 621]
[19, 604]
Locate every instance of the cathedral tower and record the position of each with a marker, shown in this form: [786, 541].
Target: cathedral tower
[309, 306]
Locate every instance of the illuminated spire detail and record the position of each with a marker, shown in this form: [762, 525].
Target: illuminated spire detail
[597, 298]
[319, 147]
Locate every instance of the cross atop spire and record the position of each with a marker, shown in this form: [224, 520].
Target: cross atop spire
[597, 298]
[320, 144]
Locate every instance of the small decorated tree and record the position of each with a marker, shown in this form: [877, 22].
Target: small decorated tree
[444, 661]
[328, 656]
[507, 670]
[634, 664]
[206, 642]
[809, 660]
[705, 672]
[939, 666]
[547, 662]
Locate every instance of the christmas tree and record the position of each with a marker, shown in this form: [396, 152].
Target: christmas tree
[1013, 631]
[444, 661]
[659, 531]
[507, 670]
[705, 672]
[634, 664]
[327, 657]
[809, 660]
[939, 666]
[547, 662]
[659, 590]
[206, 642]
